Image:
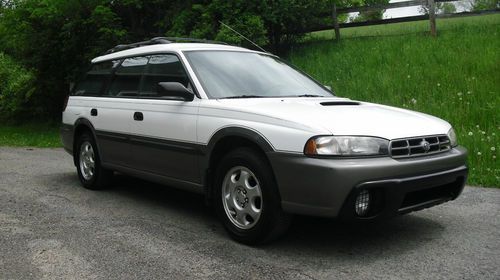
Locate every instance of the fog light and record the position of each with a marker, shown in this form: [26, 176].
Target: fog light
[362, 204]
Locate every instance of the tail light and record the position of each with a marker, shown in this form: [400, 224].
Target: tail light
[65, 104]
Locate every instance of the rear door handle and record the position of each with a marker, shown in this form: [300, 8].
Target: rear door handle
[138, 116]
[93, 112]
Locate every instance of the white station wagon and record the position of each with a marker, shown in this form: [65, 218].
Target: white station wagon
[260, 139]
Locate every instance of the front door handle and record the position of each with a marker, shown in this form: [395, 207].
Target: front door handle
[138, 116]
[93, 112]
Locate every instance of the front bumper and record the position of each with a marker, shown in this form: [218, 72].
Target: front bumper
[327, 187]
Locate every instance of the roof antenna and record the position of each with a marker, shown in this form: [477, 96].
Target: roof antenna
[229, 27]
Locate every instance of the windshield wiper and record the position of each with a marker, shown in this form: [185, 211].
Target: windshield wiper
[243, 96]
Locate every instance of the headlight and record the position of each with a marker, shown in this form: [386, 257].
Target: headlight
[453, 137]
[346, 146]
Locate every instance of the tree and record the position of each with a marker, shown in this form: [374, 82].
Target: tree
[372, 14]
[441, 8]
[57, 39]
[478, 5]
[273, 23]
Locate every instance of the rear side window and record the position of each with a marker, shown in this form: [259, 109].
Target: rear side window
[94, 80]
[127, 77]
[162, 68]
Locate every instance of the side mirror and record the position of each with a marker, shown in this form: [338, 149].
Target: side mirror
[174, 89]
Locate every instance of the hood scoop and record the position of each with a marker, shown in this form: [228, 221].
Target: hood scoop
[340, 103]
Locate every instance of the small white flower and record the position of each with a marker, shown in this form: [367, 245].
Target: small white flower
[460, 98]
[494, 157]
[469, 92]
[477, 125]
[483, 132]
[438, 84]
[409, 76]
[487, 169]
[493, 133]
[470, 133]
[492, 149]
[479, 153]
[459, 94]
[414, 101]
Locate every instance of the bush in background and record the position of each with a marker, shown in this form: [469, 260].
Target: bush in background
[16, 87]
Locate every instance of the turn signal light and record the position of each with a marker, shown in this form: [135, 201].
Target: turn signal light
[310, 148]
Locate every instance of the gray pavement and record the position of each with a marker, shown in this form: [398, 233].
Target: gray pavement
[51, 228]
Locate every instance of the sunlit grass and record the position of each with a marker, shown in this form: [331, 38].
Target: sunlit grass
[455, 76]
[406, 28]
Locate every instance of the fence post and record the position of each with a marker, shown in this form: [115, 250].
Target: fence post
[432, 17]
[336, 23]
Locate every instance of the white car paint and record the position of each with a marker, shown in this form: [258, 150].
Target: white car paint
[286, 123]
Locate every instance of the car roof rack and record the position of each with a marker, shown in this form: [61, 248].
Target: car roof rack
[161, 40]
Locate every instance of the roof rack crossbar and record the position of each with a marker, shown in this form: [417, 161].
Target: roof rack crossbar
[191, 40]
[160, 40]
[154, 41]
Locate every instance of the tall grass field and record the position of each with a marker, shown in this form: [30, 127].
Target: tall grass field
[455, 76]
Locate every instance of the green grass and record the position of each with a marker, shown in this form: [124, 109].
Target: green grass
[455, 76]
[33, 135]
[406, 28]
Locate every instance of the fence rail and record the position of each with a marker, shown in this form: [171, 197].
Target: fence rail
[431, 16]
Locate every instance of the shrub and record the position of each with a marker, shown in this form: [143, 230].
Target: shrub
[16, 87]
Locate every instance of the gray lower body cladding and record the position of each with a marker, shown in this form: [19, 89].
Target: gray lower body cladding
[67, 134]
[325, 187]
[310, 186]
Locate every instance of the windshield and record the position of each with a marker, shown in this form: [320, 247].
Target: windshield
[230, 74]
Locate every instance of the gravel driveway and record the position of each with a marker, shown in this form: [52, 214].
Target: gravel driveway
[50, 227]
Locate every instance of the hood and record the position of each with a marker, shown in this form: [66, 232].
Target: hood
[342, 116]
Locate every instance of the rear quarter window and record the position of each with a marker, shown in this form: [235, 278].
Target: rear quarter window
[93, 81]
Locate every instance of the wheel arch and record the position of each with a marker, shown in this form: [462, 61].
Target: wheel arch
[81, 125]
[226, 140]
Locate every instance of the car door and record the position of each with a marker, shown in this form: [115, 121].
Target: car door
[164, 131]
[114, 111]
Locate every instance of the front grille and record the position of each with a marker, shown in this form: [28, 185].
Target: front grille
[419, 146]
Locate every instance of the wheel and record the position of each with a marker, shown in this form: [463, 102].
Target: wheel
[90, 172]
[247, 200]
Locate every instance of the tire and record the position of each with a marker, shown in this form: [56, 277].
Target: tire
[246, 198]
[88, 165]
